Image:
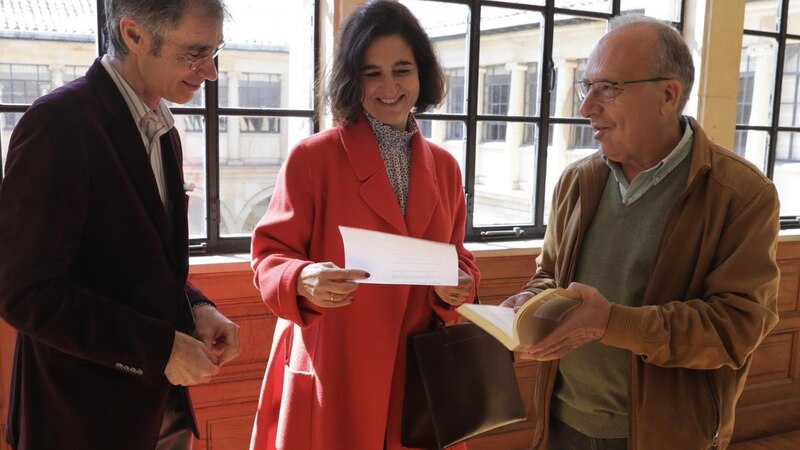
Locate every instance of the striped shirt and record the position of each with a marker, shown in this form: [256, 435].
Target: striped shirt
[151, 124]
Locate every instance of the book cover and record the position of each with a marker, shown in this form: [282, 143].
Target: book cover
[540, 315]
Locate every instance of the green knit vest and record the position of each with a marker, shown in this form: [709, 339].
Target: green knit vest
[616, 257]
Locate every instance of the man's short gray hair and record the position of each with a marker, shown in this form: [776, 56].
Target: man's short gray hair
[672, 56]
[159, 17]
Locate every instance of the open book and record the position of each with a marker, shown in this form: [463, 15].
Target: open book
[533, 321]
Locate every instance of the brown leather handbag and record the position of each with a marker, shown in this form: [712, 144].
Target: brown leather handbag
[460, 383]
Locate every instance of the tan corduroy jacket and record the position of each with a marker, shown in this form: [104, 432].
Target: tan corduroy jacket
[710, 301]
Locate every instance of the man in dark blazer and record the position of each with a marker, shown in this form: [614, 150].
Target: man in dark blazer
[94, 244]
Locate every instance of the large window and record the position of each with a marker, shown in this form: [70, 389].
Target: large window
[768, 117]
[21, 84]
[519, 120]
[236, 132]
[509, 119]
[496, 96]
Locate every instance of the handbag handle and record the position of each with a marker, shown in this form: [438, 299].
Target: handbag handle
[437, 322]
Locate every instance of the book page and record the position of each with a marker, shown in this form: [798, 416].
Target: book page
[500, 317]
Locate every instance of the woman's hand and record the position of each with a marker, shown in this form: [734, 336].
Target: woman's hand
[328, 286]
[456, 295]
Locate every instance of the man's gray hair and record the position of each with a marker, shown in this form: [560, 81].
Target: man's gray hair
[672, 56]
[159, 17]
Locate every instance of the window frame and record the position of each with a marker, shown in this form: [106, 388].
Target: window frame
[211, 111]
[781, 37]
[543, 121]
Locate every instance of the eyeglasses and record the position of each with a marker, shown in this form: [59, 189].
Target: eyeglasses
[195, 61]
[606, 91]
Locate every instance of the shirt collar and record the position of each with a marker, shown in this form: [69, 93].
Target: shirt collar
[655, 174]
[138, 107]
[666, 165]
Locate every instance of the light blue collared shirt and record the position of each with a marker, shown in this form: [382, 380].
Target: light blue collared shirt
[654, 175]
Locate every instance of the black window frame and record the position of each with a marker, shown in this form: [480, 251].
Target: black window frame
[470, 117]
[543, 121]
[781, 36]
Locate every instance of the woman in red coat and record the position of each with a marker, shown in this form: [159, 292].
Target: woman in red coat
[336, 371]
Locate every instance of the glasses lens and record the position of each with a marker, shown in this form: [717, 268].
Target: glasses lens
[604, 92]
[582, 89]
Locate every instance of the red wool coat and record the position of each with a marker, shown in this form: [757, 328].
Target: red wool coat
[335, 376]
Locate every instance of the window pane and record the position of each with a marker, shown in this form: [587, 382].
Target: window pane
[568, 143]
[6, 128]
[573, 41]
[583, 5]
[524, 2]
[504, 177]
[447, 25]
[669, 10]
[252, 150]
[449, 134]
[752, 144]
[192, 129]
[756, 74]
[787, 173]
[790, 108]
[761, 15]
[43, 48]
[268, 58]
[793, 27]
[508, 80]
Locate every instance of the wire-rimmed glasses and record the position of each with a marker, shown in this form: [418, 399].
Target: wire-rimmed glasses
[606, 91]
[195, 61]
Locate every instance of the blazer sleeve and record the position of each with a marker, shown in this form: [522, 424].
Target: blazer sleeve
[282, 238]
[44, 203]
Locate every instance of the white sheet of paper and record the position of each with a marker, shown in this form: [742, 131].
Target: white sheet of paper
[393, 259]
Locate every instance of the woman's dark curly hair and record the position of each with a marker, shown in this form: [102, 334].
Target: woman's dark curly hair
[378, 18]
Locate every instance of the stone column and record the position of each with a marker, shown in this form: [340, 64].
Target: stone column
[234, 152]
[557, 154]
[756, 145]
[480, 175]
[514, 130]
[56, 75]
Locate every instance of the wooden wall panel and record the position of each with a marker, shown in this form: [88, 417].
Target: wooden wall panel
[770, 403]
[225, 407]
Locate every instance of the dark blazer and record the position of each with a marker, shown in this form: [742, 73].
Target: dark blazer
[92, 272]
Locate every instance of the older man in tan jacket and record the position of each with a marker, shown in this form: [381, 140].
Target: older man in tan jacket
[670, 241]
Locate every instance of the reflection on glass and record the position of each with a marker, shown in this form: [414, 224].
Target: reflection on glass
[504, 176]
[583, 5]
[6, 128]
[567, 143]
[510, 69]
[192, 129]
[669, 10]
[787, 172]
[761, 15]
[573, 41]
[753, 145]
[449, 134]
[756, 72]
[268, 60]
[41, 52]
[252, 150]
[447, 25]
[789, 113]
[524, 2]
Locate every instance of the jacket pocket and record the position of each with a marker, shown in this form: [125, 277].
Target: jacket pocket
[715, 405]
[297, 402]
